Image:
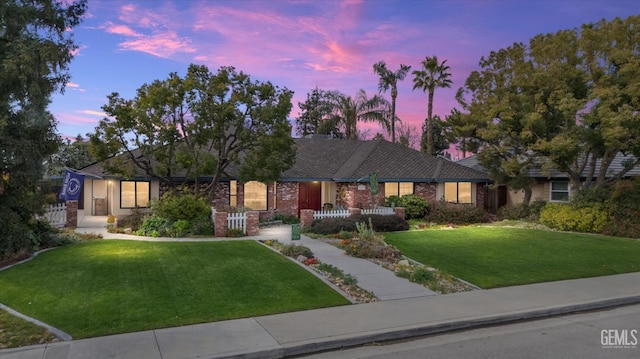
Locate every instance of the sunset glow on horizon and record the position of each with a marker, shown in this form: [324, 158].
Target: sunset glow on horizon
[301, 45]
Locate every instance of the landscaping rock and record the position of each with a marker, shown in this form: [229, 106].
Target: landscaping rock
[403, 263]
[128, 231]
[301, 258]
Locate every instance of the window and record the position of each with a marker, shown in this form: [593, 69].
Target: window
[255, 196]
[397, 188]
[134, 194]
[457, 192]
[559, 191]
[233, 193]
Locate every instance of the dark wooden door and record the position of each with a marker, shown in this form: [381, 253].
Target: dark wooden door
[309, 196]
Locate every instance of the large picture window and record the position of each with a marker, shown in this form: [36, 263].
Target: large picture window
[559, 191]
[255, 196]
[397, 188]
[457, 192]
[134, 194]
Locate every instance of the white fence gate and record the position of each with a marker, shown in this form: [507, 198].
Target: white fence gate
[342, 213]
[234, 220]
[384, 211]
[56, 215]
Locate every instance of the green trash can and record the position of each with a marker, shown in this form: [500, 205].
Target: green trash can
[295, 232]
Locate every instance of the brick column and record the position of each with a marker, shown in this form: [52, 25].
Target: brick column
[253, 223]
[306, 218]
[400, 212]
[72, 214]
[355, 211]
[221, 224]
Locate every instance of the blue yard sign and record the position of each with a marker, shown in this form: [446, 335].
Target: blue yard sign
[71, 186]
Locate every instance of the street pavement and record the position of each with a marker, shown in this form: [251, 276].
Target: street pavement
[298, 333]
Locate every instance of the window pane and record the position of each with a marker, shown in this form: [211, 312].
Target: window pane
[233, 191]
[559, 196]
[560, 186]
[127, 194]
[142, 194]
[406, 188]
[451, 191]
[390, 189]
[255, 196]
[464, 192]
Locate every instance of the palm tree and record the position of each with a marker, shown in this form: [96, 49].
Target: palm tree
[351, 110]
[389, 80]
[431, 76]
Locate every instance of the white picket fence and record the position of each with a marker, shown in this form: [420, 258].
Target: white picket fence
[383, 211]
[341, 213]
[56, 215]
[234, 220]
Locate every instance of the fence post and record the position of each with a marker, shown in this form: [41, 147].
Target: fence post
[399, 211]
[306, 218]
[253, 223]
[72, 214]
[220, 224]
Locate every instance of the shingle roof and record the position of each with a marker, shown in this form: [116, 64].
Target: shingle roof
[322, 159]
[615, 167]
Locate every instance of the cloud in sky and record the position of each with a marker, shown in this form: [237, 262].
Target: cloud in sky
[303, 44]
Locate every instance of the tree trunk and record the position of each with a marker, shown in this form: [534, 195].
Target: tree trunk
[527, 196]
[394, 94]
[430, 123]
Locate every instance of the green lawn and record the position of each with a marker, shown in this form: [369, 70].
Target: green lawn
[107, 287]
[500, 256]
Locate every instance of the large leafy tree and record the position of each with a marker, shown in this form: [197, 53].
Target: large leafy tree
[36, 47]
[566, 100]
[348, 111]
[440, 143]
[72, 154]
[317, 114]
[388, 80]
[432, 75]
[196, 126]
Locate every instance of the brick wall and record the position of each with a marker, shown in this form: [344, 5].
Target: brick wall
[426, 191]
[480, 193]
[72, 214]
[357, 195]
[287, 202]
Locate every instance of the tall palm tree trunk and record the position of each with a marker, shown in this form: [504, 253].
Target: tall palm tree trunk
[430, 124]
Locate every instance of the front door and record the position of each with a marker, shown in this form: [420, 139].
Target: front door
[309, 195]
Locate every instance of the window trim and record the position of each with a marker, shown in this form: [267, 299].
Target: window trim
[135, 192]
[551, 192]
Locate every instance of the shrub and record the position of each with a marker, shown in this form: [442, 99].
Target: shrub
[372, 249]
[567, 217]
[286, 219]
[294, 250]
[452, 213]
[154, 226]
[203, 226]
[187, 206]
[347, 279]
[380, 223]
[421, 276]
[365, 231]
[415, 206]
[182, 227]
[522, 211]
[235, 232]
[133, 220]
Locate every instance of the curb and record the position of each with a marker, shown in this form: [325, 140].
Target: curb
[57, 332]
[430, 329]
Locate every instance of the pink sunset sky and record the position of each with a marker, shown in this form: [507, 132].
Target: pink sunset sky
[301, 44]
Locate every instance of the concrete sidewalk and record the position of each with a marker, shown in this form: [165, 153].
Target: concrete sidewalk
[297, 333]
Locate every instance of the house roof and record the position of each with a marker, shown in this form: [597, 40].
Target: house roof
[323, 159]
[615, 167]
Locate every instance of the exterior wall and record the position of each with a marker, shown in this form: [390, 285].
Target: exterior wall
[287, 198]
[357, 195]
[329, 193]
[427, 191]
[540, 190]
[480, 191]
